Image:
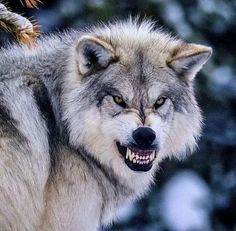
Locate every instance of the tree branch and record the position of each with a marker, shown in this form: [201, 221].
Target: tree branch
[24, 30]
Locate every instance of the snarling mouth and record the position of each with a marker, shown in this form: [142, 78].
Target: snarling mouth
[137, 159]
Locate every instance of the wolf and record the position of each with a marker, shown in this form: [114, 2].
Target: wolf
[85, 119]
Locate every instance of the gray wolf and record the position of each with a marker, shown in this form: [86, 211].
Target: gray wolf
[85, 119]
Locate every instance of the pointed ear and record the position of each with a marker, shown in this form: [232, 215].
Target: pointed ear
[187, 59]
[93, 54]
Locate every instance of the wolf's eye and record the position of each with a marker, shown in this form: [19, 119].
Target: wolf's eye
[118, 100]
[160, 101]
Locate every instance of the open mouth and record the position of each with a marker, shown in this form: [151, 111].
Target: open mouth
[138, 159]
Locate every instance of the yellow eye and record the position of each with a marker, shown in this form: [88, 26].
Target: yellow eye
[118, 100]
[160, 101]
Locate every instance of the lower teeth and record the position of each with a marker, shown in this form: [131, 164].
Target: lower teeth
[140, 162]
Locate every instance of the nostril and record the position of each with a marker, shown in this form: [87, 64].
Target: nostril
[144, 136]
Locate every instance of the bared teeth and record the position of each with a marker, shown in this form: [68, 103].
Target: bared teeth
[129, 154]
[152, 156]
[140, 159]
[133, 155]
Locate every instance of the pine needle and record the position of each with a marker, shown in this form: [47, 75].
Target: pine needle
[31, 3]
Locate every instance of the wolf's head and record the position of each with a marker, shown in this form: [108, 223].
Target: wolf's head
[129, 97]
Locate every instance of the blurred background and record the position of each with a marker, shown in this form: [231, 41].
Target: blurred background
[199, 193]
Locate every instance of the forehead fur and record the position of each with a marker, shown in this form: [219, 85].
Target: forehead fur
[135, 35]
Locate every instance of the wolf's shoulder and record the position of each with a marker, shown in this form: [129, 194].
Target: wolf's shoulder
[49, 50]
[20, 113]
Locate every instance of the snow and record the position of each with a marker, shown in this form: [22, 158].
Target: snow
[126, 212]
[185, 203]
[175, 16]
[223, 80]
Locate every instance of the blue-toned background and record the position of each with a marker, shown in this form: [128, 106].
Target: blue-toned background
[198, 194]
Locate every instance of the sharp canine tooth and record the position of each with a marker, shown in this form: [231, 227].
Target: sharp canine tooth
[151, 157]
[134, 161]
[127, 154]
[130, 155]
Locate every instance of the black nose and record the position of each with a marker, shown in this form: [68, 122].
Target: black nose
[144, 137]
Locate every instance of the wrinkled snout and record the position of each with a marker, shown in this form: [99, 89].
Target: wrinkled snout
[144, 137]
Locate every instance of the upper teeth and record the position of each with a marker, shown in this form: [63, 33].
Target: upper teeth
[135, 158]
[129, 154]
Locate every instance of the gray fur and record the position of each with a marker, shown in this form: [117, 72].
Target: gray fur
[60, 167]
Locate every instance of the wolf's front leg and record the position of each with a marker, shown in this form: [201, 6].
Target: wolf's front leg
[24, 159]
[22, 182]
[74, 201]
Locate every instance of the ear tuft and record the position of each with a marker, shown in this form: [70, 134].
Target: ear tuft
[93, 54]
[188, 59]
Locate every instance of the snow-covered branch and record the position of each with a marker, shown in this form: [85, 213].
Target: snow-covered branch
[24, 30]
